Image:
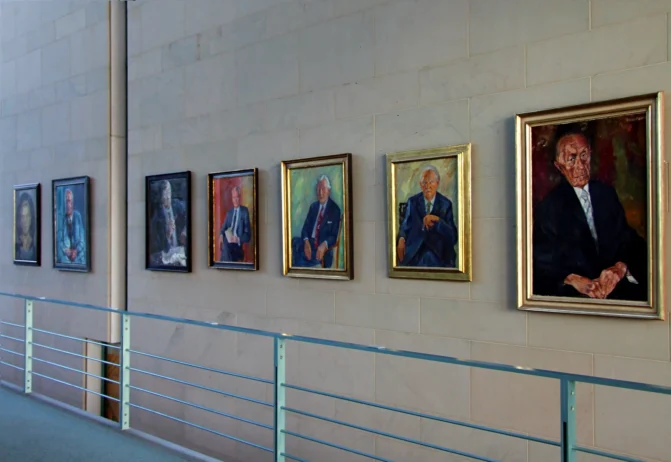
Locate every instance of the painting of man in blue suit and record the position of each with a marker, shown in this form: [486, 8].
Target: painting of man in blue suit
[320, 230]
[427, 235]
[236, 230]
[71, 234]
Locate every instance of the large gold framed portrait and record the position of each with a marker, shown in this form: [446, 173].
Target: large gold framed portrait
[317, 217]
[429, 213]
[590, 219]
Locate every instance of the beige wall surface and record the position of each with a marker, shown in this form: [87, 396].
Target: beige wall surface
[231, 84]
[53, 124]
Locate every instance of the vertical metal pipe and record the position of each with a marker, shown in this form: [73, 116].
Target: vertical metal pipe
[124, 382]
[28, 348]
[568, 423]
[118, 149]
[280, 417]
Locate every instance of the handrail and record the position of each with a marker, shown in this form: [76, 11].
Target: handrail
[568, 444]
[371, 349]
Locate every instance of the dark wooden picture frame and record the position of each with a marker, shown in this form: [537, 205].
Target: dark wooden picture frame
[180, 252]
[63, 249]
[21, 197]
[244, 255]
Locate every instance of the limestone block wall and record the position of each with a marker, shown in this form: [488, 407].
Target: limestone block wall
[217, 85]
[53, 124]
[230, 84]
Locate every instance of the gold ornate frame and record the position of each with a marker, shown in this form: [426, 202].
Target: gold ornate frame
[463, 269]
[652, 105]
[211, 261]
[345, 161]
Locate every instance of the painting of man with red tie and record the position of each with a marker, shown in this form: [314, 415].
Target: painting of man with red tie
[317, 217]
[320, 230]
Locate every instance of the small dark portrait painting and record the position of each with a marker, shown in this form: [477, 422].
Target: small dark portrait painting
[27, 227]
[72, 231]
[168, 227]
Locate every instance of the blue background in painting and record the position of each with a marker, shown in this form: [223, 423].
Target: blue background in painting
[80, 199]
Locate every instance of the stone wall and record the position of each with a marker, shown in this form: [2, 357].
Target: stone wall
[230, 84]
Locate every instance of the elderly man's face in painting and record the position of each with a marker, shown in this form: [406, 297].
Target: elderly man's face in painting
[573, 159]
[166, 196]
[26, 219]
[429, 183]
[235, 197]
[323, 192]
[69, 203]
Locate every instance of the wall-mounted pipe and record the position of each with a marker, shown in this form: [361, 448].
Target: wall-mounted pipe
[118, 171]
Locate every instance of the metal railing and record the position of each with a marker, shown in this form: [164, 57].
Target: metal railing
[567, 444]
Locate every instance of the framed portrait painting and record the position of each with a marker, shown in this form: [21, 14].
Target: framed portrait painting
[72, 224]
[590, 218]
[27, 225]
[429, 213]
[233, 220]
[168, 225]
[317, 217]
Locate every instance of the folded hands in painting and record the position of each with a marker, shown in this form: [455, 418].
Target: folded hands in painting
[430, 220]
[321, 250]
[600, 287]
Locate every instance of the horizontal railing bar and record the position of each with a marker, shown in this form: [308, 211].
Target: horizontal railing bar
[219, 371]
[12, 338]
[158, 317]
[624, 384]
[607, 454]
[257, 446]
[75, 338]
[6, 323]
[11, 365]
[289, 456]
[203, 408]
[337, 446]
[11, 352]
[202, 387]
[425, 416]
[74, 354]
[388, 435]
[485, 365]
[74, 370]
[75, 386]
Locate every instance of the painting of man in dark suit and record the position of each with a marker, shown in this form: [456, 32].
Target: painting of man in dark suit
[320, 230]
[427, 235]
[583, 244]
[168, 230]
[236, 230]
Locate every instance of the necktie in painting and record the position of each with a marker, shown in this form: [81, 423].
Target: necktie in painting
[589, 214]
[320, 217]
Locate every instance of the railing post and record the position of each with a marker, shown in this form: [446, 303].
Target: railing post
[124, 376]
[28, 347]
[568, 421]
[280, 362]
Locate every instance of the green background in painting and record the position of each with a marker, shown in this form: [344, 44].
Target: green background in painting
[407, 185]
[303, 183]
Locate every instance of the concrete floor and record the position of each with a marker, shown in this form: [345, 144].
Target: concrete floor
[35, 431]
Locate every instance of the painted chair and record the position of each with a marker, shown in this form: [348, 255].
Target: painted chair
[336, 247]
